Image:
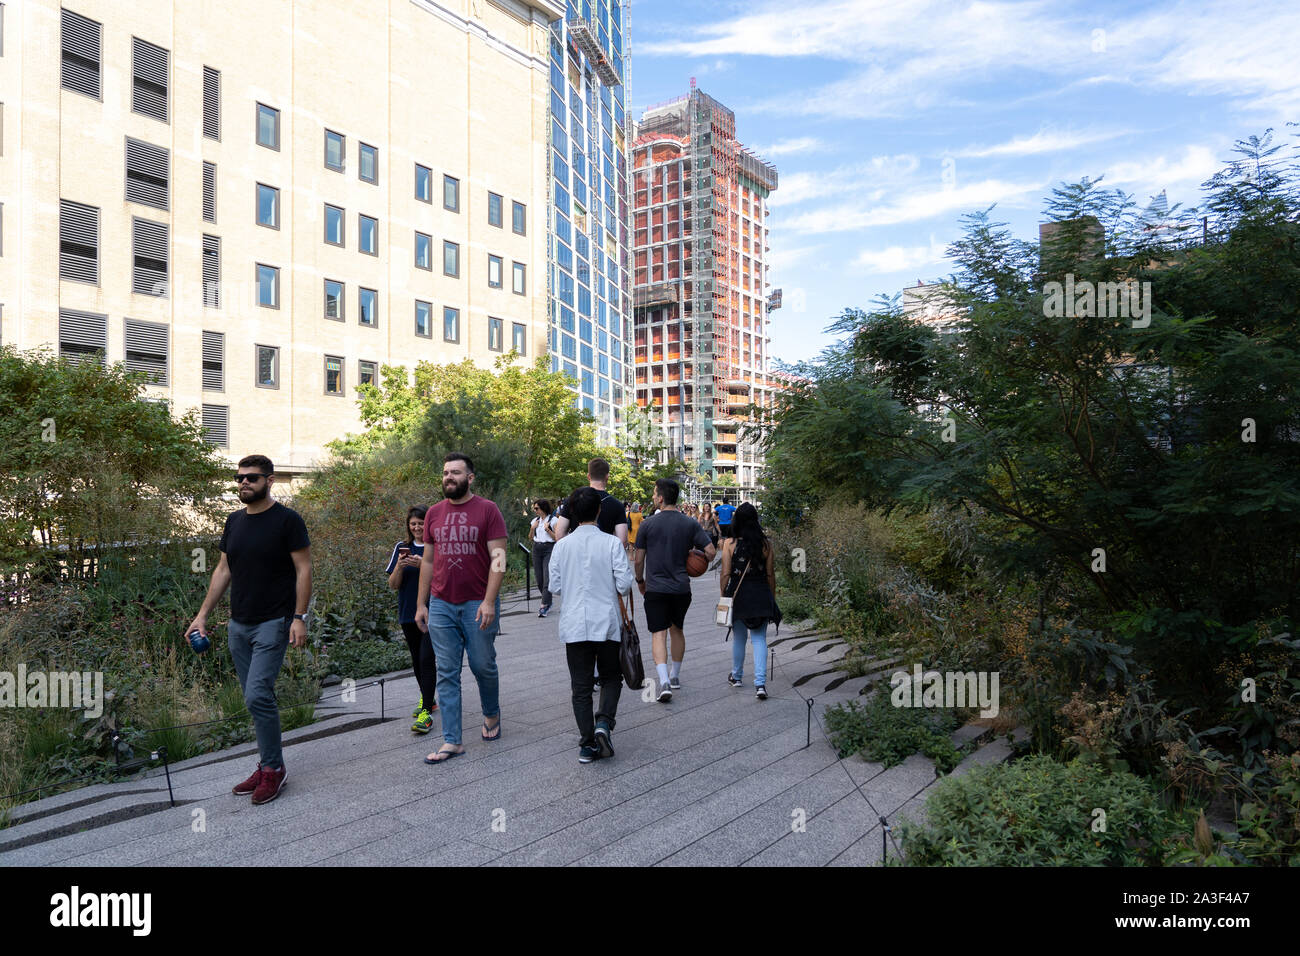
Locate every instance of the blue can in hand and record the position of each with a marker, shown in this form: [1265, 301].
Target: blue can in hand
[199, 642]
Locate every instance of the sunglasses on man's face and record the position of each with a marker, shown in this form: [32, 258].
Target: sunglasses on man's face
[251, 477]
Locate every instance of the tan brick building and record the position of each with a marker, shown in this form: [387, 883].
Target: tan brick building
[260, 202]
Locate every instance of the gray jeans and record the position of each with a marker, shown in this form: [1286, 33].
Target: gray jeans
[542, 568]
[258, 651]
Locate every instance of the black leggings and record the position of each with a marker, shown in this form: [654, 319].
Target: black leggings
[423, 660]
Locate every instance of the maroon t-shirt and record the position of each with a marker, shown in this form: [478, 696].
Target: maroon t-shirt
[459, 536]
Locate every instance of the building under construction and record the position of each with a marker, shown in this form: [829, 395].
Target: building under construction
[700, 283]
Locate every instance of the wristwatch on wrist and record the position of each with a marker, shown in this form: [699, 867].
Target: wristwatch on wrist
[301, 617]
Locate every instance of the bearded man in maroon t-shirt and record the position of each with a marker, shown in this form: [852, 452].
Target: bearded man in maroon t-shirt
[458, 601]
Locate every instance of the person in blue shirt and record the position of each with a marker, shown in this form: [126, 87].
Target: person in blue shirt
[724, 513]
[404, 577]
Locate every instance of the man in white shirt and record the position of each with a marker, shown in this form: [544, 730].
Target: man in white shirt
[591, 569]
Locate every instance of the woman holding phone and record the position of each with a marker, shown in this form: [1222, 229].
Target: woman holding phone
[404, 577]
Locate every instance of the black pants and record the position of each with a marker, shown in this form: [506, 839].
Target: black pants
[584, 658]
[542, 568]
[423, 660]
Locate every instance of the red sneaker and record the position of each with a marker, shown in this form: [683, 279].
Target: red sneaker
[269, 787]
[249, 785]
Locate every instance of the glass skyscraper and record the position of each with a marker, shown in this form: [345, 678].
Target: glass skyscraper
[590, 314]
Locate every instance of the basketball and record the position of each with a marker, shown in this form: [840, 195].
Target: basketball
[696, 563]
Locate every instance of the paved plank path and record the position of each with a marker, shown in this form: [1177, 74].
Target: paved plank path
[714, 777]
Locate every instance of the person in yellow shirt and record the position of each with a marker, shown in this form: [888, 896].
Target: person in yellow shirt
[634, 521]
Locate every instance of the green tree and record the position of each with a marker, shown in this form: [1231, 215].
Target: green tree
[521, 418]
[1173, 447]
[640, 438]
[89, 462]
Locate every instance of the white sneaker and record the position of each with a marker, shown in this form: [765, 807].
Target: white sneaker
[665, 694]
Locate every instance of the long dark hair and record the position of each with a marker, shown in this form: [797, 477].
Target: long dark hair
[415, 511]
[747, 531]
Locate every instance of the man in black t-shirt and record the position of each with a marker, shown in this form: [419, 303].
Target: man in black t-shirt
[662, 543]
[266, 563]
[612, 518]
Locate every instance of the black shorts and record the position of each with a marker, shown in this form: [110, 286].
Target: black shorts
[664, 610]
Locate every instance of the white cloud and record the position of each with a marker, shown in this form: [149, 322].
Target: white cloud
[913, 54]
[717, 66]
[781, 258]
[878, 174]
[849, 215]
[1046, 140]
[1148, 176]
[789, 147]
[1247, 50]
[900, 258]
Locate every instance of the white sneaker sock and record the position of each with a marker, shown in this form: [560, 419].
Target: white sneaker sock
[677, 669]
[663, 674]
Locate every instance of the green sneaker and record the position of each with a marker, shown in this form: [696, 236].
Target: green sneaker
[418, 707]
[423, 722]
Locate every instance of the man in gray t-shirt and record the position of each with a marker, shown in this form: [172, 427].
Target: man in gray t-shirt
[662, 543]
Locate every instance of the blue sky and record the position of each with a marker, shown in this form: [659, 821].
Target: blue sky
[888, 119]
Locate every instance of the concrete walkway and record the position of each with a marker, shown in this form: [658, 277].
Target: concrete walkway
[715, 777]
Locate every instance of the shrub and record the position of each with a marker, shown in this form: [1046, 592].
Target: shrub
[358, 659]
[1038, 812]
[1269, 826]
[883, 733]
[1054, 660]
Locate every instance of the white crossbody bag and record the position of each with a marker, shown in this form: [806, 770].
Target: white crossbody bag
[723, 614]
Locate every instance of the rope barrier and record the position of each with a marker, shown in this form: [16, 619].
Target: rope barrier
[160, 753]
[887, 830]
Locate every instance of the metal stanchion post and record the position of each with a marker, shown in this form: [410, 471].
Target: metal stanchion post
[528, 575]
[884, 837]
[810, 707]
[161, 753]
[381, 700]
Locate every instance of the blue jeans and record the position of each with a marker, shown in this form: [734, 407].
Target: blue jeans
[759, 638]
[258, 651]
[455, 634]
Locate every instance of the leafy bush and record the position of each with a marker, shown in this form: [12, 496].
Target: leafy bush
[1038, 812]
[127, 623]
[1269, 825]
[1045, 670]
[358, 659]
[883, 733]
[90, 464]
